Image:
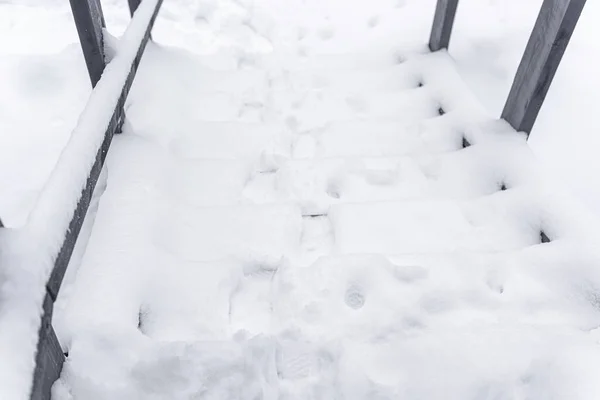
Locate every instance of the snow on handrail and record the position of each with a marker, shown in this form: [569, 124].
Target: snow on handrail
[34, 258]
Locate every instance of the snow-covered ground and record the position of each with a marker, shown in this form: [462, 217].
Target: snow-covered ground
[289, 216]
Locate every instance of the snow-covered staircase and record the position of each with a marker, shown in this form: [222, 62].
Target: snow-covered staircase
[317, 232]
[304, 226]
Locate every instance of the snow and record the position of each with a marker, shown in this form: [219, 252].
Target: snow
[487, 49]
[290, 212]
[27, 254]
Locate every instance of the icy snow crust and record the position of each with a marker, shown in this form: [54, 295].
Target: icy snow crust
[296, 218]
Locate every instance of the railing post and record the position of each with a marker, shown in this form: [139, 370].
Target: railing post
[49, 358]
[551, 34]
[445, 11]
[133, 5]
[89, 20]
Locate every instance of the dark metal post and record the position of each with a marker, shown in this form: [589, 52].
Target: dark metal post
[49, 358]
[89, 20]
[133, 5]
[445, 11]
[551, 34]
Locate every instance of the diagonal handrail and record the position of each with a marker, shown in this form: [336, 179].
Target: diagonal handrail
[81, 163]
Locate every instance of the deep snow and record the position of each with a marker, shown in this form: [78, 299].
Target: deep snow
[288, 216]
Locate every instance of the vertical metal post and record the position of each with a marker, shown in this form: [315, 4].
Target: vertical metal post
[49, 358]
[443, 20]
[133, 5]
[551, 34]
[89, 20]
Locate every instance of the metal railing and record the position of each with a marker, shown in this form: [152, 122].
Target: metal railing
[548, 41]
[90, 24]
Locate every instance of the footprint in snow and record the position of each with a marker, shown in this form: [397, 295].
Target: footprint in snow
[292, 123]
[410, 273]
[334, 189]
[302, 51]
[205, 10]
[354, 297]
[357, 103]
[262, 268]
[381, 177]
[373, 21]
[326, 33]
[294, 361]
[301, 33]
[495, 282]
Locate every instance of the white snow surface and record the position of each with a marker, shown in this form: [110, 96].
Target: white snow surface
[288, 216]
[28, 253]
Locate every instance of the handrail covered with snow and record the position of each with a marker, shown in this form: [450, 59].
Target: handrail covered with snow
[548, 41]
[78, 169]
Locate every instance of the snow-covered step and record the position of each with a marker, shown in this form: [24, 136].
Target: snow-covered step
[316, 184]
[388, 78]
[206, 182]
[188, 300]
[340, 297]
[297, 60]
[306, 110]
[214, 107]
[229, 140]
[371, 58]
[214, 233]
[317, 237]
[385, 137]
[207, 81]
[195, 73]
[431, 227]
[404, 325]
[160, 175]
[300, 110]
[209, 300]
[368, 297]
[184, 72]
[118, 262]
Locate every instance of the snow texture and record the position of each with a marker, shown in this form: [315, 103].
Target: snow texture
[28, 253]
[306, 204]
